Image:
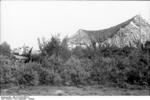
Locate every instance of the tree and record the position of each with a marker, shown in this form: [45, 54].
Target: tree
[5, 49]
[55, 47]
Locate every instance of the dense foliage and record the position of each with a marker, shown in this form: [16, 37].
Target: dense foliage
[5, 49]
[80, 66]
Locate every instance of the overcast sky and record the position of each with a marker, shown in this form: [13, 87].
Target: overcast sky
[23, 22]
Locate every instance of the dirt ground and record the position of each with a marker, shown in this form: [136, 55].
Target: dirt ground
[73, 91]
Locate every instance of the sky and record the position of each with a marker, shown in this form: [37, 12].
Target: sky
[22, 22]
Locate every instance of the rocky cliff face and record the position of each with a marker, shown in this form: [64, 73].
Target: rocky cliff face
[127, 33]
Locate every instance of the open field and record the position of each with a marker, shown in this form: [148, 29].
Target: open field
[71, 90]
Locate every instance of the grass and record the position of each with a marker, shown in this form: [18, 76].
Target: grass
[71, 90]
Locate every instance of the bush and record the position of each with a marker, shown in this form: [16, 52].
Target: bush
[57, 79]
[46, 76]
[129, 70]
[5, 60]
[52, 63]
[6, 74]
[78, 52]
[139, 66]
[29, 74]
[123, 67]
[118, 69]
[5, 49]
[100, 71]
[55, 47]
[6, 70]
[73, 71]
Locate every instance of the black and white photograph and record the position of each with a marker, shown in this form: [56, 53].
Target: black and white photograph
[74, 48]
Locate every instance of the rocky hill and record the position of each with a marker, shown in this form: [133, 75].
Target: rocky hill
[127, 33]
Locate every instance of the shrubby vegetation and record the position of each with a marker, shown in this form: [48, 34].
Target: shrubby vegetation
[81, 66]
[5, 49]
